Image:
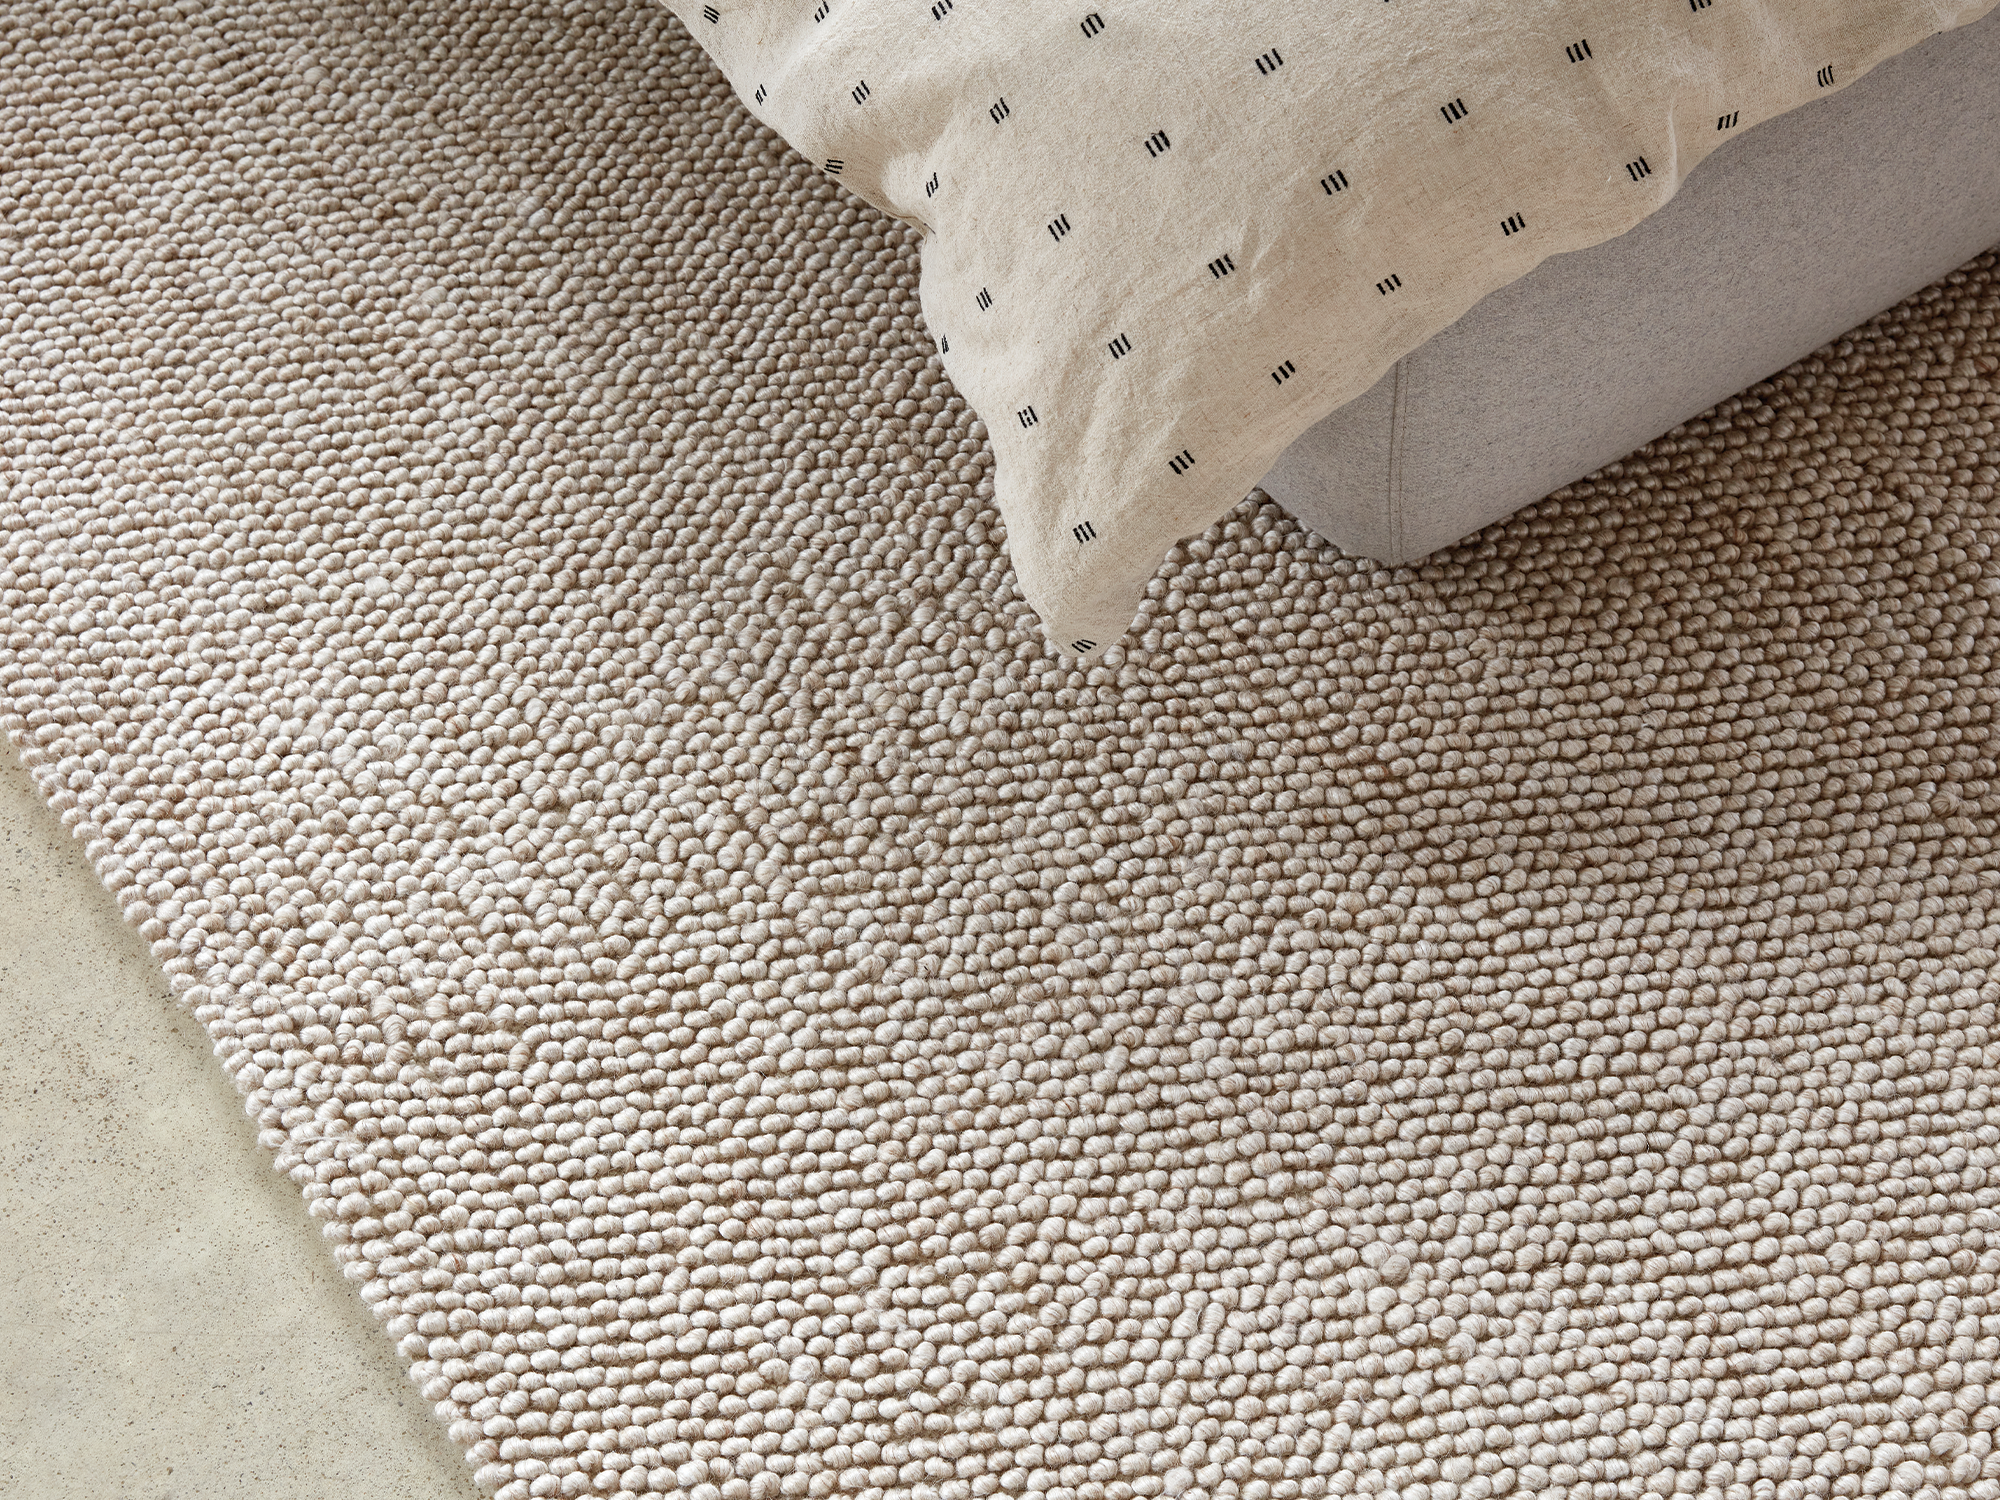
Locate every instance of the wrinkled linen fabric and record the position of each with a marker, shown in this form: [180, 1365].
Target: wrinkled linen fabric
[494, 572]
[1162, 240]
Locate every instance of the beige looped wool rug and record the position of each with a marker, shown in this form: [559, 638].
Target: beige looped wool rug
[491, 568]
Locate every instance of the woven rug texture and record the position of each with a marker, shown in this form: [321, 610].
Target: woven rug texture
[490, 566]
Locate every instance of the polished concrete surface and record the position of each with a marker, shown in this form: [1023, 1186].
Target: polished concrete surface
[173, 1327]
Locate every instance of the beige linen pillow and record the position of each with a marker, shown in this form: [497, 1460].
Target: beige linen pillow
[1162, 238]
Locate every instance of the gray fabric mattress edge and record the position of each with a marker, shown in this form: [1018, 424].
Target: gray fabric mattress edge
[1782, 240]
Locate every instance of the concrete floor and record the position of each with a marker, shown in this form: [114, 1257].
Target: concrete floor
[174, 1327]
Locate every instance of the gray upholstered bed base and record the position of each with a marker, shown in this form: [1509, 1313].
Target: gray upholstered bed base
[1782, 240]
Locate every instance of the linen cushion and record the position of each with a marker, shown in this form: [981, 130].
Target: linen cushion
[1162, 239]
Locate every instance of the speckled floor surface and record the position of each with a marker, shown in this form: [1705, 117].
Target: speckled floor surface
[172, 1329]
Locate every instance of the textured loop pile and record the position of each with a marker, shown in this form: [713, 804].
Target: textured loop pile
[491, 568]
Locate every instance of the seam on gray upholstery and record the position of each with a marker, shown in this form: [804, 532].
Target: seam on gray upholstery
[1394, 499]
